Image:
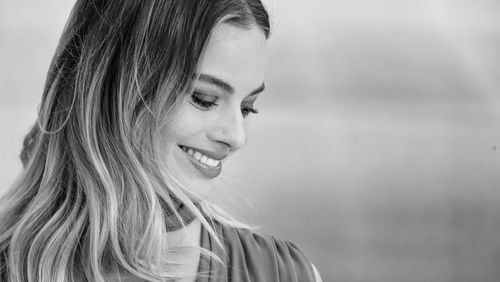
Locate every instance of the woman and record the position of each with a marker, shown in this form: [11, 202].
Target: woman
[143, 103]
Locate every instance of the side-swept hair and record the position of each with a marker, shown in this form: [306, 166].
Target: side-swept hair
[94, 191]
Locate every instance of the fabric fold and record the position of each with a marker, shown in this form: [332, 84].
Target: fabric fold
[250, 256]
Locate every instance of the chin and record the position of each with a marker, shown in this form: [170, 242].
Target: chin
[196, 179]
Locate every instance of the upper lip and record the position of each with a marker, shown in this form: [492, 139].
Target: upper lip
[213, 155]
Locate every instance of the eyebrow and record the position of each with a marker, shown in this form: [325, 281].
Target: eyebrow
[226, 86]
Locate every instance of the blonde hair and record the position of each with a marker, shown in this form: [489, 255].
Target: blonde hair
[93, 192]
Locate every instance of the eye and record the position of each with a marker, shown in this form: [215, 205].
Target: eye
[245, 111]
[203, 102]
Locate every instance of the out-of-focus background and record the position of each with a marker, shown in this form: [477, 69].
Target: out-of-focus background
[377, 149]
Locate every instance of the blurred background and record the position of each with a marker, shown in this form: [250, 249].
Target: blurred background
[377, 149]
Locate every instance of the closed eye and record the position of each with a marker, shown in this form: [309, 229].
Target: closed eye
[203, 101]
[245, 111]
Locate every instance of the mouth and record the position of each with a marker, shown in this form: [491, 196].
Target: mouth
[208, 163]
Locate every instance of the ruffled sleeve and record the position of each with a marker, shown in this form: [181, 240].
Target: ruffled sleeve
[249, 256]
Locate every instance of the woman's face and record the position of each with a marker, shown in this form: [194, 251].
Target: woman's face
[212, 122]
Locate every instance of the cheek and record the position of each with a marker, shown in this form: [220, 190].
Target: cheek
[188, 123]
[246, 129]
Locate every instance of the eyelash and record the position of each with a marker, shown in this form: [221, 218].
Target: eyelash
[205, 105]
[246, 111]
[201, 103]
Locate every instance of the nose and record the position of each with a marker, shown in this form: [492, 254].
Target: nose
[230, 130]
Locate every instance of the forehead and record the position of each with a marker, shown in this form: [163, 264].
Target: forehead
[236, 55]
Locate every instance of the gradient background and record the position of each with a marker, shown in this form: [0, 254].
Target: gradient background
[377, 149]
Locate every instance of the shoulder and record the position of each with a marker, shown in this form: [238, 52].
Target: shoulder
[266, 257]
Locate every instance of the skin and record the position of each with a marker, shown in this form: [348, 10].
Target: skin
[236, 57]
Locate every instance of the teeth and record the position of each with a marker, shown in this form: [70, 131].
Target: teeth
[197, 155]
[201, 158]
[204, 160]
[211, 162]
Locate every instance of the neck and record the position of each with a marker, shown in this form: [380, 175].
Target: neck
[187, 258]
[187, 236]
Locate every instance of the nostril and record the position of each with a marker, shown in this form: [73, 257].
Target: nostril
[223, 146]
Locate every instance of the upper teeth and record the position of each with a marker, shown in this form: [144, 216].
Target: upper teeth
[202, 158]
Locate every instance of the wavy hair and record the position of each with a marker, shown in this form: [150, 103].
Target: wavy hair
[93, 193]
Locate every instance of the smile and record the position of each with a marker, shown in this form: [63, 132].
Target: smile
[208, 163]
[201, 158]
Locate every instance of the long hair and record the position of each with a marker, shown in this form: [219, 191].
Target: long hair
[94, 191]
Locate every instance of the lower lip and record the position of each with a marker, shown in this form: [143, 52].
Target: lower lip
[207, 171]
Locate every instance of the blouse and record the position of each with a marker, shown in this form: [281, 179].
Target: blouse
[249, 256]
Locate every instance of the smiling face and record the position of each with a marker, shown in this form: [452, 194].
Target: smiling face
[212, 122]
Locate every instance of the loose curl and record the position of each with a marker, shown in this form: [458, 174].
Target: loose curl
[94, 191]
